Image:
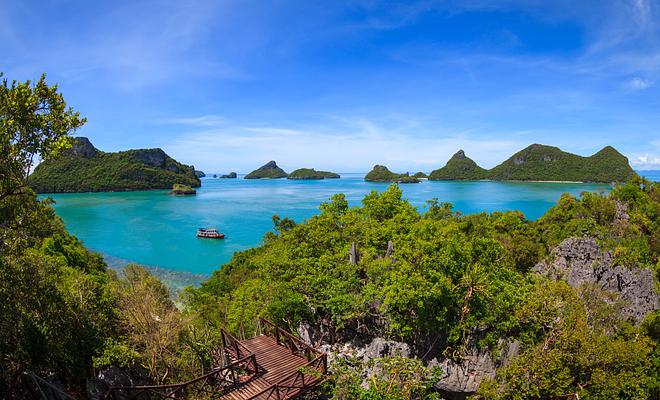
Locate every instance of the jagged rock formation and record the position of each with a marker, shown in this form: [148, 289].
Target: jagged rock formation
[459, 167]
[200, 174]
[580, 261]
[231, 175]
[311, 173]
[269, 170]
[86, 169]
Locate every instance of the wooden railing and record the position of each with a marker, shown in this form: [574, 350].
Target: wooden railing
[230, 343]
[297, 382]
[218, 380]
[287, 339]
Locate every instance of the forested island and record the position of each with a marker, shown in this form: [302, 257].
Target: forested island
[542, 163]
[83, 168]
[311, 174]
[411, 303]
[270, 170]
[380, 173]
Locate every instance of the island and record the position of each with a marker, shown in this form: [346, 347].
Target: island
[200, 174]
[420, 175]
[539, 162]
[311, 173]
[459, 167]
[270, 170]
[182, 190]
[231, 175]
[84, 168]
[381, 173]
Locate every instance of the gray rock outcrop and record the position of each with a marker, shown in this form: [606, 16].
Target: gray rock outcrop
[580, 261]
[82, 147]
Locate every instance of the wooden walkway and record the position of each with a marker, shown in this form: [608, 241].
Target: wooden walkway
[274, 365]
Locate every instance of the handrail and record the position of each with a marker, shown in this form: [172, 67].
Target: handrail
[236, 365]
[233, 343]
[280, 385]
[309, 350]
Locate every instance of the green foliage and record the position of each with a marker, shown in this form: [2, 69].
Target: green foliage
[381, 173]
[124, 170]
[392, 378]
[179, 189]
[34, 122]
[311, 173]
[582, 350]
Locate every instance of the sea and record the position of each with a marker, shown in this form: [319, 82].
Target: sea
[158, 230]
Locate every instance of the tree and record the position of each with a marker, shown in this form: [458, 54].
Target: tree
[34, 122]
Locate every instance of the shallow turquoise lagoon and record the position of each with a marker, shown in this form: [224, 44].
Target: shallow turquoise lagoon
[155, 229]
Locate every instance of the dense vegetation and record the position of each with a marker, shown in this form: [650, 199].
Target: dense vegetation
[270, 170]
[438, 280]
[179, 189]
[311, 173]
[459, 166]
[542, 163]
[85, 169]
[381, 173]
[453, 280]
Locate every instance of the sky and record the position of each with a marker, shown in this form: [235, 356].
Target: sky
[343, 85]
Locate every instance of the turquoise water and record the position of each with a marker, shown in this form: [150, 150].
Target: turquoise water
[153, 228]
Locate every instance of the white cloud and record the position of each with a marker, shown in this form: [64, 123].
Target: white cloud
[646, 161]
[201, 121]
[344, 144]
[638, 84]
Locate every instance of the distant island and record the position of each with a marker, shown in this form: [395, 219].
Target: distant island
[542, 163]
[84, 168]
[231, 175]
[381, 173]
[311, 173]
[269, 170]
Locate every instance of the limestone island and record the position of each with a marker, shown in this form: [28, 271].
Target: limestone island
[231, 175]
[311, 173]
[538, 162]
[84, 168]
[268, 171]
[381, 173]
[182, 190]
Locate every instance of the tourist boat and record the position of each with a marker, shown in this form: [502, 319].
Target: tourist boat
[210, 233]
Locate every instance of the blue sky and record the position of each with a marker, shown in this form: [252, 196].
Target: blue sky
[337, 85]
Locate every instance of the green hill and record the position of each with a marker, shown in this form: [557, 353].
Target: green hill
[311, 173]
[268, 171]
[381, 173]
[87, 169]
[548, 163]
[459, 166]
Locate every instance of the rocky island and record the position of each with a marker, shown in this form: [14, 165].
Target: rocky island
[269, 170]
[311, 173]
[182, 190]
[459, 167]
[539, 162]
[231, 175]
[381, 173]
[84, 168]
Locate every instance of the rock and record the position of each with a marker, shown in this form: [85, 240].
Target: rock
[82, 147]
[379, 348]
[231, 175]
[199, 174]
[580, 260]
[462, 378]
[113, 377]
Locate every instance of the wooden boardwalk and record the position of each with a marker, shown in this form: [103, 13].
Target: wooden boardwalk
[275, 365]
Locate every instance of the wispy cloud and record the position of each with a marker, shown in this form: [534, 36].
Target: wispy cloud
[638, 84]
[201, 121]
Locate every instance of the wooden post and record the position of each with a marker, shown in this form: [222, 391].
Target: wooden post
[353, 254]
